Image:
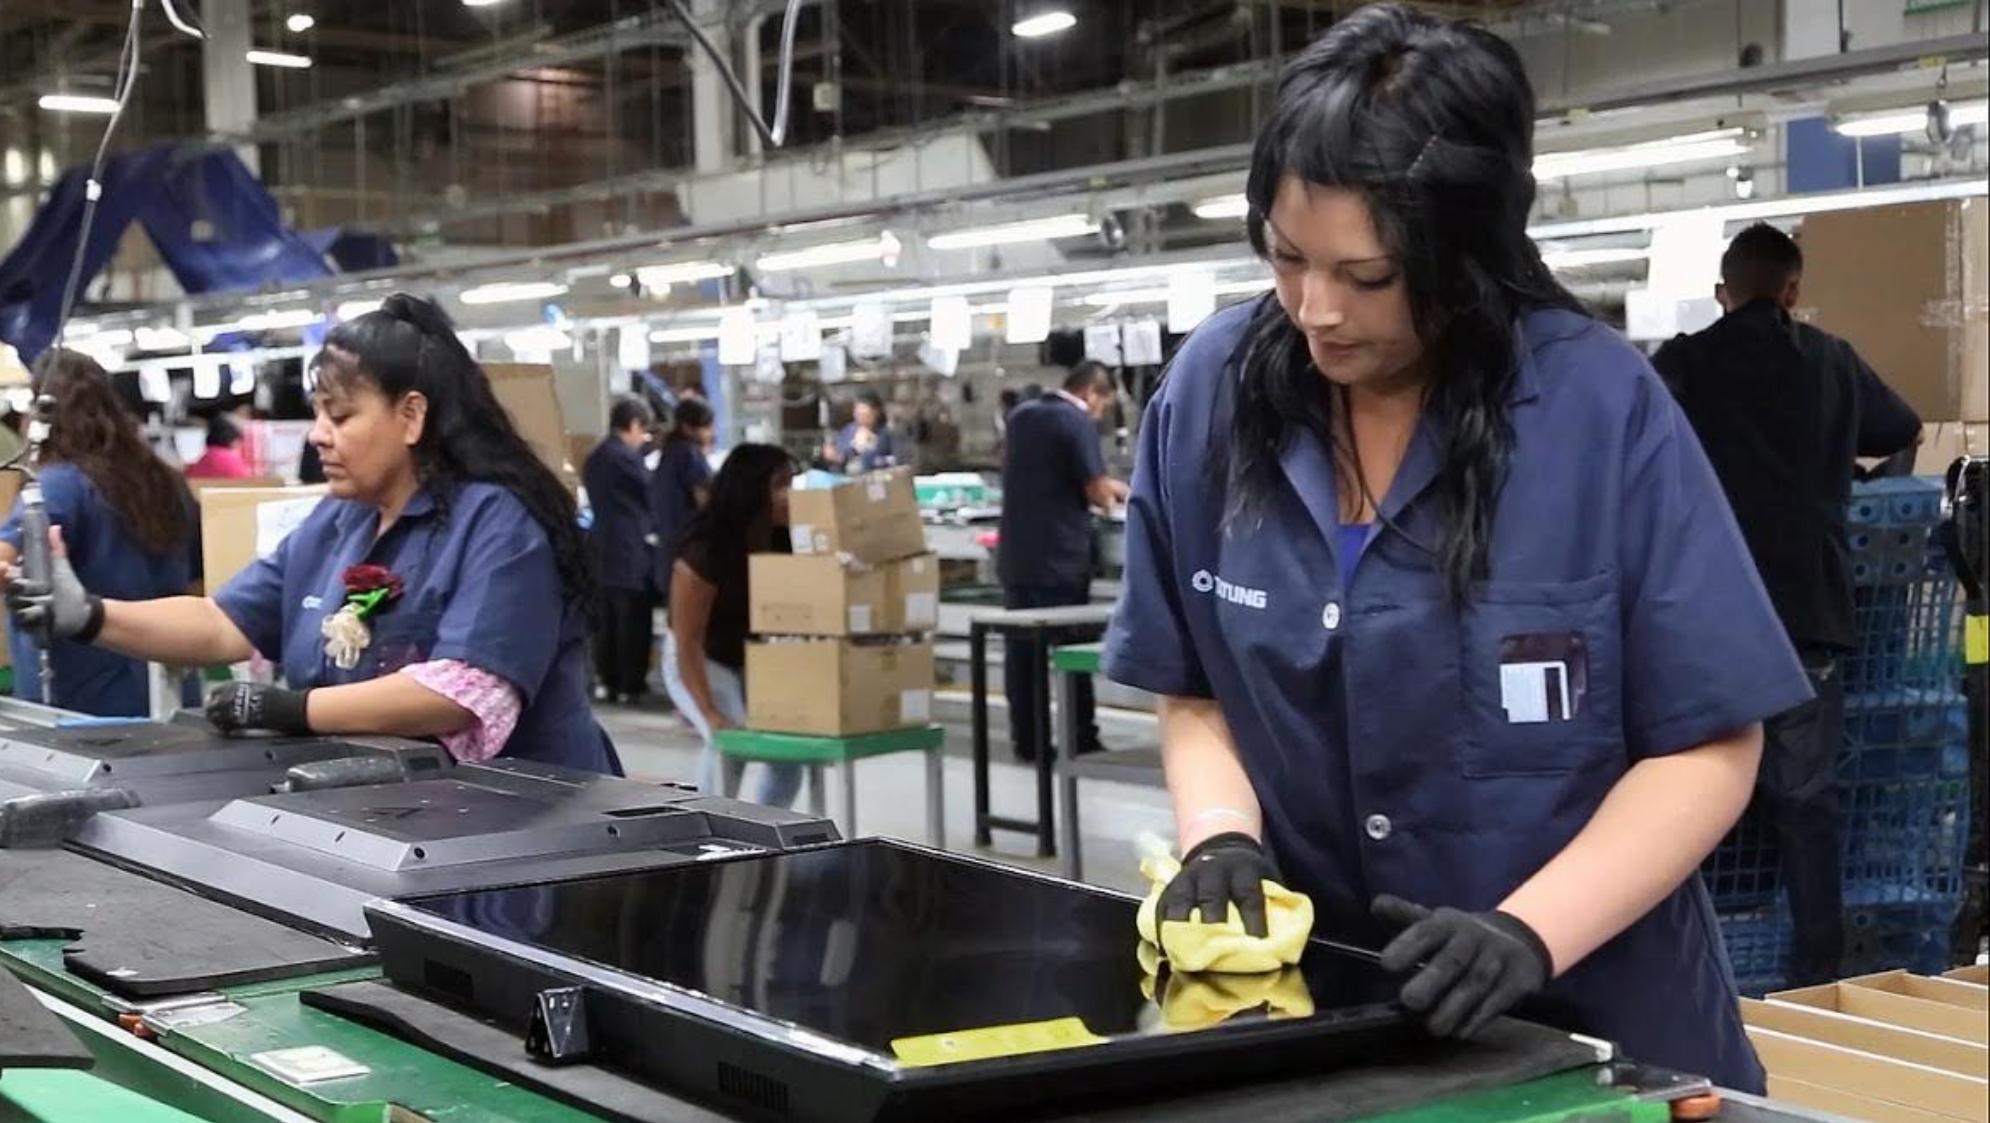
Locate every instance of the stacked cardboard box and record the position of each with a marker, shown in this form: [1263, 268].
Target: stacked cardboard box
[842, 621]
[1891, 1048]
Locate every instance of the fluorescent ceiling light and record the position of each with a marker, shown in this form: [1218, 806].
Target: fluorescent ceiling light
[1042, 24]
[1222, 206]
[1030, 230]
[1793, 206]
[1111, 299]
[354, 309]
[277, 321]
[1898, 122]
[682, 273]
[278, 58]
[509, 291]
[685, 335]
[1720, 144]
[1601, 255]
[300, 22]
[77, 103]
[482, 3]
[91, 336]
[834, 253]
[162, 339]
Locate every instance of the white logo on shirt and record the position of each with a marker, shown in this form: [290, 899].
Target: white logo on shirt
[313, 601]
[1204, 581]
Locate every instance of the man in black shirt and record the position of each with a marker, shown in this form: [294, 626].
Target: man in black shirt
[1783, 410]
[1053, 475]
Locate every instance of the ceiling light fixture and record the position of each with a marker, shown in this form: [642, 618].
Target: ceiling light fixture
[1042, 24]
[354, 309]
[1589, 258]
[1719, 144]
[685, 335]
[1222, 206]
[1902, 122]
[1793, 206]
[683, 273]
[77, 103]
[509, 291]
[300, 22]
[482, 3]
[1008, 233]
[884, 247]
[278, 58]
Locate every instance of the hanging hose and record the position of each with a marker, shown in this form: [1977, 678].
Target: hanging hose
[776, 133]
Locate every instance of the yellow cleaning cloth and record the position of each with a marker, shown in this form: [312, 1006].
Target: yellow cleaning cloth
[1190, 1002]
[1195, 946]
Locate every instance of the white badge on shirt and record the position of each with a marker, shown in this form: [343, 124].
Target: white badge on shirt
[1534, 692]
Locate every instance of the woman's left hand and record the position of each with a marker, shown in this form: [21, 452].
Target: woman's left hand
[238, 706]
[1470, 967]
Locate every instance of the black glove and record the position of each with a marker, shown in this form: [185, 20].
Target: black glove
[1221, 870]
[60, 608]
[1470, 967]
[237, 706]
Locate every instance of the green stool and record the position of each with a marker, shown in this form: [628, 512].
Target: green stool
[814, 752]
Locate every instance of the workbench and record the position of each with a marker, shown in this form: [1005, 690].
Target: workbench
[1141, 766]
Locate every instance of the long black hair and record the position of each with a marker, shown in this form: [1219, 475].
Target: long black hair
[92, 430]
[410, 345]
[738, 518]
[690, 414]
[1432, 124]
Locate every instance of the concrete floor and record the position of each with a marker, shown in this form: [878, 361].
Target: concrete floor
[891, 791]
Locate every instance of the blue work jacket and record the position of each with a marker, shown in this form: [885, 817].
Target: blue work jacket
[481, 587]
[618, 490]
[1402, 742]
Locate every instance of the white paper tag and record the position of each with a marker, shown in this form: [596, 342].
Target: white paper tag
[276, 519]
[915, 707]
[801, 538]
[921, 610]
[860, 618]
[1532, 693]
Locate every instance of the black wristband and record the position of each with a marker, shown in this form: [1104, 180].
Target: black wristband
[1524, 932]
[88, 633]
[285, 711]
[1228, 840]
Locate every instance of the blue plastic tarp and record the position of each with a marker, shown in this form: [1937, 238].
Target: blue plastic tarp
[215, 226]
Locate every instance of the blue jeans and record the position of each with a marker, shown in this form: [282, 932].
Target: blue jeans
[1020, 687]
[779, 783]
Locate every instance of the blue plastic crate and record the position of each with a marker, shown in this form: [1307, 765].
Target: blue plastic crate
[1758, 948]
[1742, 872]
[1907, 637]
[1903, 841]
[1896, 501]
[1886, 937]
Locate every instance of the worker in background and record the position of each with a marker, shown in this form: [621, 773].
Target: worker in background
[1053, 478]
[1452, 627]
[223, 459]
[130, 525]
[618, 493]
[864, 445]
[704, 654]
[679, 485]
[441, 590]
[1783, 409]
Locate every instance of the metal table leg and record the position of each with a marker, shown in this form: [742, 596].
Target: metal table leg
[977, 661]
[1067, 780]
[1046, 761]
[818, 800]
[936, 798]
[847, 772]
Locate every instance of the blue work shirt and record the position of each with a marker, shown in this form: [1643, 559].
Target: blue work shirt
[618, 491]
[110, 564]
[1370, 710]
[480, 587]
[879, 455]
[681, 469]
[1052, 453]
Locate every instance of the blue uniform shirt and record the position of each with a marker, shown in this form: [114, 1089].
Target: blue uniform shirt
[1371, 713]
[879, 455]
[1051, 453]
[681, 469]
[110, 564]
[618, 491]
[481, 587]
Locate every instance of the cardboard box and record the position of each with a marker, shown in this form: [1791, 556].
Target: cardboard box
[1908, 286]
[873, 518]
[1894, 1008]
[1951, 1054]
[526, 392]
[838, 688]
[1945, 442]
[1947, 991]
[241, 524]
[1979, 974]
[1874, 1076]
[816, 595]
[1851, 1105]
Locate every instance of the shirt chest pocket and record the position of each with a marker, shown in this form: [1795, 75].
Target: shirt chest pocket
[402, 637]
[1542, 677]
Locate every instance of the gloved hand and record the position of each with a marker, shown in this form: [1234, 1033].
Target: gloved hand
[1222, 869]
[1470, 967]
[236, 706]
[60, 608]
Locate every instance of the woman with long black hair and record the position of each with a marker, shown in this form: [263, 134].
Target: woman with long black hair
[1453, 628]
[129, 522]
[704, 653]
[442, 589]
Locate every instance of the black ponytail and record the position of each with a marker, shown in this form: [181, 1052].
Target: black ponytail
[410, 344]
[1432, 123]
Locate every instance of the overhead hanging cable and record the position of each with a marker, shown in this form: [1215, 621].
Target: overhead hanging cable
[773, 134]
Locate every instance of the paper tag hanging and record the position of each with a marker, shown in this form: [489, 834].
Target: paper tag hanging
[632, 348]
[870, 331]
[1030, 314]
[1102, 343]
[950, 325]
[1142, 339]
[738, 338]
[834, 363]
[1191, 299]
[943, 361]
[801, 337]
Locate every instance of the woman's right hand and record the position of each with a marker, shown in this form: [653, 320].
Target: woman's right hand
[1220, 871]
[60, 608]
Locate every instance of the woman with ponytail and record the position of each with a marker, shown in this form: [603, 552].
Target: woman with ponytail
[1452, 626]
[441, 590]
